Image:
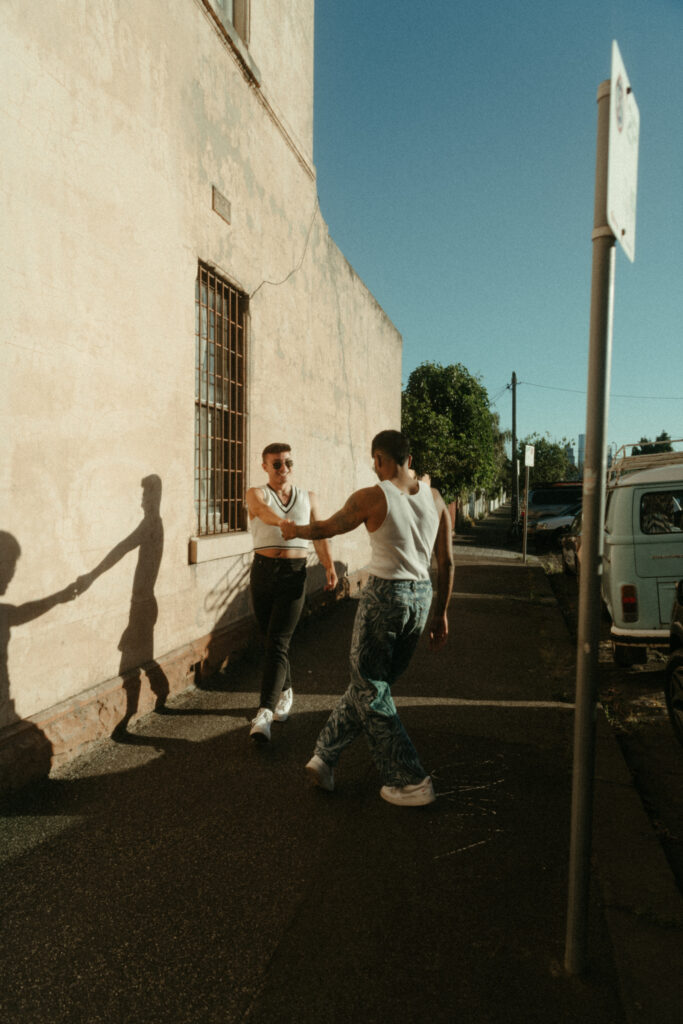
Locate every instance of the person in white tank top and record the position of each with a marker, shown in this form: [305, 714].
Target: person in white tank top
[407, 520]
[278, 578]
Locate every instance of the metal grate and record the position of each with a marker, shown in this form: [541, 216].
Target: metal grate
[220, 404]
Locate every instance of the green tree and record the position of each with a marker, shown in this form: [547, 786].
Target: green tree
[662, 443]
[551, 460]
[502, 463]
[454, 436]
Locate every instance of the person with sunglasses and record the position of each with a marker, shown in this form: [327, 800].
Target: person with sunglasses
[406, 519]
[278, 578]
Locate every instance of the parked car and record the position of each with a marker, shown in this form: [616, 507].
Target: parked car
[571, 546]
[551, 526]
[643, 551]
[673, 676]
[552, 500]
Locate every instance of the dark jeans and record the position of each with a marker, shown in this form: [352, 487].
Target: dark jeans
[278, 591]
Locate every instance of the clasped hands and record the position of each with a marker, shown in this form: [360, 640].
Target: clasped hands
[288, 529]
[73, 590]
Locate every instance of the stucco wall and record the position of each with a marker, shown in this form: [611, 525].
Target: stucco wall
[287, 83]
[116, 123]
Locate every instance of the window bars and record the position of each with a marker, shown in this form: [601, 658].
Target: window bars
[220, 404]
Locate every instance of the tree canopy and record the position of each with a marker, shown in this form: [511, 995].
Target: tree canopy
[551, 460]
[453, 434]
[662, 443]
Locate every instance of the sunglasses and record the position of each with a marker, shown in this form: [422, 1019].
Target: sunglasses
[278, 463]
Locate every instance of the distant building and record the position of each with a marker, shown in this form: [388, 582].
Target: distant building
[172, 303]
[582, 453]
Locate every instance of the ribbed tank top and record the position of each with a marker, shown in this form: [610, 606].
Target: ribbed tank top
[298, 509]
[402, 545]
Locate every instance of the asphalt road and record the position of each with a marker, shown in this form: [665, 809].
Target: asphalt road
[191, 875]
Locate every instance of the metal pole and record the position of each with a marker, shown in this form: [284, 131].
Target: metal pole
[525, 513]
[594, 479]
[515, 471]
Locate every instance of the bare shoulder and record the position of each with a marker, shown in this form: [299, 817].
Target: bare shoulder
[361, 507]
[438, 500]
[255, 497]
[368, 497]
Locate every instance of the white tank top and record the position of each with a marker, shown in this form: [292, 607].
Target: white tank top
[298, 508]
[402, 546]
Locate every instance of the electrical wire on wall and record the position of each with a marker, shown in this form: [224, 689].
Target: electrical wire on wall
[316, 207]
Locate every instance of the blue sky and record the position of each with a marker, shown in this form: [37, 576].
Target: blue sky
[455, 152]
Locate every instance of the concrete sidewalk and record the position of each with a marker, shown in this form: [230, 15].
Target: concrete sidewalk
[190, 875]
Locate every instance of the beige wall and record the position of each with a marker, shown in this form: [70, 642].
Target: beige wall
[117, 124]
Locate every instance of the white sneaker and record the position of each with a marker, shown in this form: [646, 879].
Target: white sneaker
[410, 796]
[260, 726]
[321, 773]
[284, 706]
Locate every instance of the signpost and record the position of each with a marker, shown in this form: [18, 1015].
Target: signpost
[622, 159]
[614, 217]
[529, 452]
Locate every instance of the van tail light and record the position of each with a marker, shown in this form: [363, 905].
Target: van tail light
[629, 602]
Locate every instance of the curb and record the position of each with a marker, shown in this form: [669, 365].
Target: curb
[642, 903]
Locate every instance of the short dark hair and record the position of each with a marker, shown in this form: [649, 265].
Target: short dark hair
[392, 443]
[274, 449]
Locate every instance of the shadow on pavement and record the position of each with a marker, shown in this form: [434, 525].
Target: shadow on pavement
[190, 875]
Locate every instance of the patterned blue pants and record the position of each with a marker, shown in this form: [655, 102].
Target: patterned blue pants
[389, 622]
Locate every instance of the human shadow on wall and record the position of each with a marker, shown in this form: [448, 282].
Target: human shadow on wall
[137, 640]
[31, 753]
[229, 605]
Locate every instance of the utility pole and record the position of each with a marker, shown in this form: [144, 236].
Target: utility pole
[515, 471]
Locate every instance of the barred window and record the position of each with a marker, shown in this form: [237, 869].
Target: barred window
[220, 404]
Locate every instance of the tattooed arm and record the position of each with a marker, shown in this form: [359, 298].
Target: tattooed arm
[322, 548]
[359, 508]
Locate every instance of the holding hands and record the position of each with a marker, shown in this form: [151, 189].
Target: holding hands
[83, 582]
[288, 529]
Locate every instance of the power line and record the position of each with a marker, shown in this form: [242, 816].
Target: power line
[501, 391]
[576, 391]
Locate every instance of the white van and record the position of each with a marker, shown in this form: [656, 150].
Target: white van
[643, 551]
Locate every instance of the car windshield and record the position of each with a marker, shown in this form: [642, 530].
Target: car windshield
[555, 496]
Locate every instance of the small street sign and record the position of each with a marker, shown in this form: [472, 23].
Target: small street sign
[529, 453]
[622, 159]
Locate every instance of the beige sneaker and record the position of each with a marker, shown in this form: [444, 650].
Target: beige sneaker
[284, 705]
[410, 796]
[260, 726]
[321, 773]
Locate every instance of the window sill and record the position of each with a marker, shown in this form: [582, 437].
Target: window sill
[208, 549]
[239, 47]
